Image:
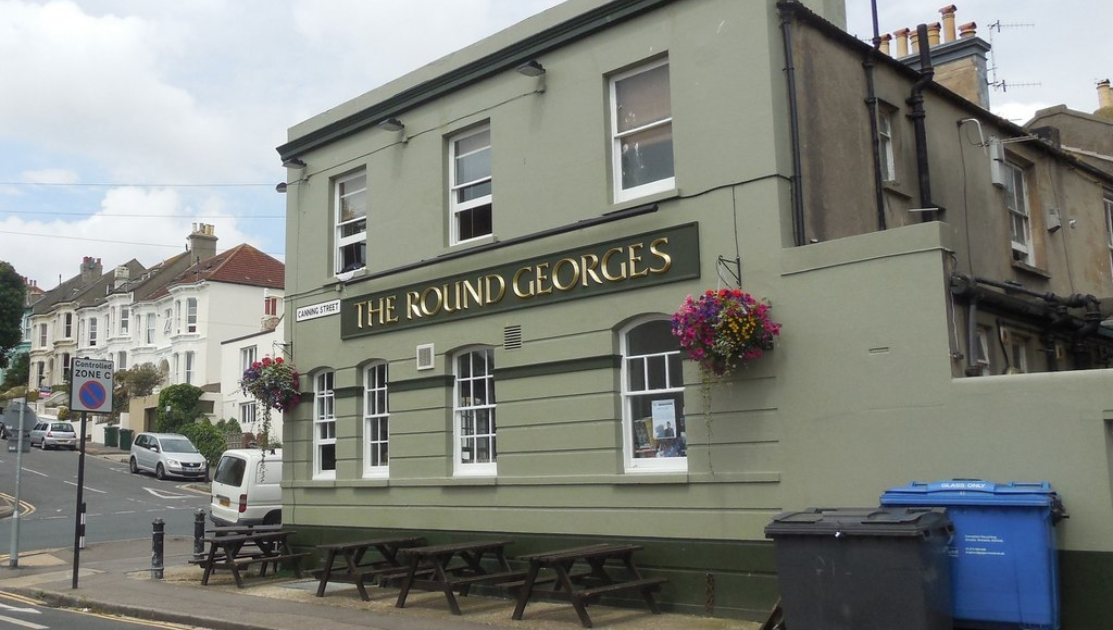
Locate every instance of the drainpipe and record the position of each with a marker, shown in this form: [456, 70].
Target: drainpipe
[875, 144]
[972, 346]
[798, 236]
[916, 100]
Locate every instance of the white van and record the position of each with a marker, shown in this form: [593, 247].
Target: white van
[246, 488]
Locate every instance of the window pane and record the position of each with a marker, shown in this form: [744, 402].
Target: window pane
[651, 338]
[475, 222]
[647, 156]
[474, 166]
[475, 191]
[328, 457]
[474, 142]
[643, 98]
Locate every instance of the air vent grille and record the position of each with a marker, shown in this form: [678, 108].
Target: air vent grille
[426, 357]
[512, 337]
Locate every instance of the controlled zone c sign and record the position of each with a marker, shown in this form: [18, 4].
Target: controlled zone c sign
[92, 386]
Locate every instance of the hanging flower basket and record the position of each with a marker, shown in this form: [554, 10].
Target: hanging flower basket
[722, 330]
[275, 384]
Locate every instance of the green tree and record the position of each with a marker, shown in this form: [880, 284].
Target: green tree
[13, 295]
[178, 406]
[18, 372]
[208, 438]
[137, 382]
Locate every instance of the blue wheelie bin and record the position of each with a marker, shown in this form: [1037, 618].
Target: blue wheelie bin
[1004, 566]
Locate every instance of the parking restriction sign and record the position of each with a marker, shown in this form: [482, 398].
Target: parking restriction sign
[92, 386]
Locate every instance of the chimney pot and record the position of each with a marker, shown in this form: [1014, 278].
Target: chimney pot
[970, 29]
[933, 34]
[885, 39]
[948, 13]
[902, 42]
[1105, 94]
[914, 42]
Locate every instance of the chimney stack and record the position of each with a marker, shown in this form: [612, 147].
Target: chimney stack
[120, 276]
[1105, 100]
[202, 242]
[91, 270]
[960, 62]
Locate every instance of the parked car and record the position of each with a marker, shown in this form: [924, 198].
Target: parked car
[166, 455]
[49, 434]
[245, 488]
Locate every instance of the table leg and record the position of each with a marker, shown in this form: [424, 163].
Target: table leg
[527, 590]
[647, 595]
[407, 581]
[209, 564]
[563, 571]
[353, 561]
[329, 558]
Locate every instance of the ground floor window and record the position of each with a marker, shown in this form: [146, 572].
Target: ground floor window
[324, 427]
[656, 437]
[376, 430]
[474, 413]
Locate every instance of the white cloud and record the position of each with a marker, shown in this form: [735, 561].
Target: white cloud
[159, 224]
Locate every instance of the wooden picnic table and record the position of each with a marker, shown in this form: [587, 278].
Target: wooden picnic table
[432, 569]
[354, 569]
[230, 552]
[580, 587]
[223, 530]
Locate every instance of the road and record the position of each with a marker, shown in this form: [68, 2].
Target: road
[120, 505]
[20, 613]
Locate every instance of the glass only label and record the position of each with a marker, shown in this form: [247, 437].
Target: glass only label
[983, 545]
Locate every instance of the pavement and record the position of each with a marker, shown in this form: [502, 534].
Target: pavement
[115, 578]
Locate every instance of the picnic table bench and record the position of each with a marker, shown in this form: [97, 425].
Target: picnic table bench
[579, 588]
[431, 568]
[354, 569]
[270, 549]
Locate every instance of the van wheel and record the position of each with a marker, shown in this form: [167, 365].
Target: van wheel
[274, 518]
[133, 466]
[160, 473]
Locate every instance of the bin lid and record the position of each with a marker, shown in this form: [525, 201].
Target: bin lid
[874, 521]
[972, 492]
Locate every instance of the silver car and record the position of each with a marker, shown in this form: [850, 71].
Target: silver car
[54, 434]
[167, 455]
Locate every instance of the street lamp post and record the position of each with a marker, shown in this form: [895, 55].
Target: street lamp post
[13, 557]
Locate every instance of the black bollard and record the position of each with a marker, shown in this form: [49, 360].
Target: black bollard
[199, 534]
[157, 548]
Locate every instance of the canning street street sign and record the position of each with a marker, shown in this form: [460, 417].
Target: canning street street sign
[92, 386]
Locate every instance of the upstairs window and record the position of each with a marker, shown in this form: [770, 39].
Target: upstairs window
[168, 320]
[270, 306]
[150, 328]
[191, 315]
[351, 222]
[67, 326]
[190, 361]
[474, 415]
[247, 357]
[885, 144]
[470, 185]
[42, 335]
[1016, 200]
[92, 331]
[641, 129]
[125, 320]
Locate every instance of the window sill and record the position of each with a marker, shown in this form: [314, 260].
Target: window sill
[625, 204]
[892, 187]
[482, 240]
[1035, 271]
[348, 276]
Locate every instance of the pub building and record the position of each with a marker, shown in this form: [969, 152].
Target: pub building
[485, 256]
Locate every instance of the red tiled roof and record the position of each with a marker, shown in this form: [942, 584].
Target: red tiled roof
[243, 264]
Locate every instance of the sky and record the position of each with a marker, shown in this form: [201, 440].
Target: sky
[125, 122]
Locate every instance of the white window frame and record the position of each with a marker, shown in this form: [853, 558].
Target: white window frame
[270, 306]
[191, 315]
[122, 360]
[1018, 351]
[169, 315]
[481, 386]
[175, 373]
[150, 328]
[984, 358]
[324, 423]
[885, 146]
[67, 326]
[1016, 202]
[92, 332]
[190, 366]
[248, 356]
[661, 185]
[248, 415]
[670, 361]
[457, 208]
[125, 320]
[339, 223]
[42, 335]
[376, 420]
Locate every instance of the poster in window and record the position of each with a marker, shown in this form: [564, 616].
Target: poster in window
[664, 419]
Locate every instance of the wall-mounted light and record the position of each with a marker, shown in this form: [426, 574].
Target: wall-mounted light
[531, 68]
[391, 124]
[294, 163]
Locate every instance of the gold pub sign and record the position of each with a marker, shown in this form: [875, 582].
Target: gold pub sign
[629, 263]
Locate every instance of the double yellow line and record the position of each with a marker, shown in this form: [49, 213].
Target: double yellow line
[25, 507]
